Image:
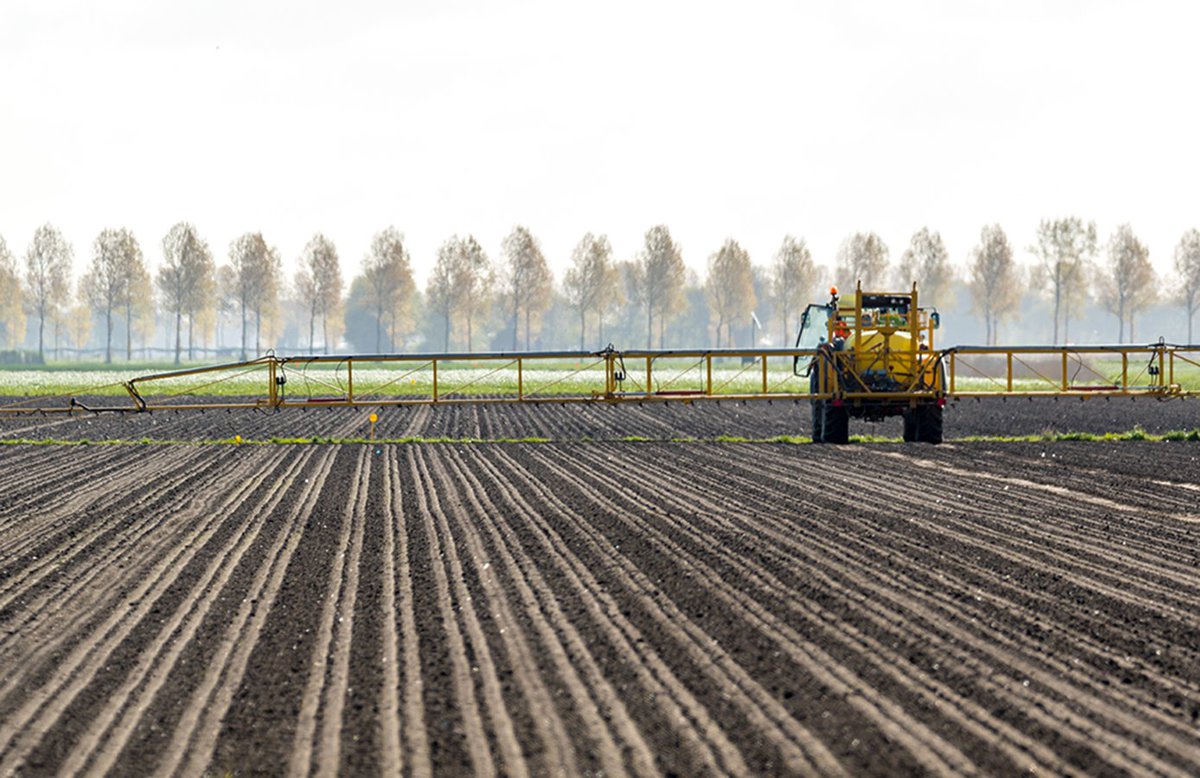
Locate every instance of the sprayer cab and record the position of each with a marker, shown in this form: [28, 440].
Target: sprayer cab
[873, 358]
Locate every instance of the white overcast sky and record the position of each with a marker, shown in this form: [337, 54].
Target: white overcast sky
[746, 120]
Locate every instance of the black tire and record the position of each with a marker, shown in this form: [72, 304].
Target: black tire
[910, 426]
[818, 408]
[836, 424]
[928, 423]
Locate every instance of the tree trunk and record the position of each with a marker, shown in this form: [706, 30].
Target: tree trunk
[244, 336]
[720, 323]
[469, 332]
[1057, 306]
[41, 332]
[1121, 319]
[191, 350]
[378, 330]
[312, 330]
[128, 332]
[446, 346]
[516, 321]
[649, 327]
[257, 333]
[178, 331]
[582, 327]
[527, 316]
[108, 335]
[325, 330]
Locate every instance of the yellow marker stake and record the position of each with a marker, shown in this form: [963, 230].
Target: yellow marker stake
[373, 418]
[237, 438]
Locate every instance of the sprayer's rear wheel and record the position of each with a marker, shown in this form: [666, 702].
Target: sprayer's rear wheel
[923, 424]
[836, 426]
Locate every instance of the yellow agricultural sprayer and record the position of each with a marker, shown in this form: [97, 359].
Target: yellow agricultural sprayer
[870, 357]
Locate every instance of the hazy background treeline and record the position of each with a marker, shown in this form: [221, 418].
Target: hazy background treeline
[179, 298]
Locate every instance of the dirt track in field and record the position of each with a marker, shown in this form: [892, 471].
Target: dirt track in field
[655, 421]
[616, 608]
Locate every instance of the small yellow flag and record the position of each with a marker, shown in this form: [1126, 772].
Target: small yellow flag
[373, 418]
[237, 438]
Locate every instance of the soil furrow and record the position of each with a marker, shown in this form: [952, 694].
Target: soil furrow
[682, 728]
[303, 747]
[1048, 679]
[77, 669]
[459, 739]
[415, 735]
[194, 738]
[112, 727]
[884, 714]
[502, 729]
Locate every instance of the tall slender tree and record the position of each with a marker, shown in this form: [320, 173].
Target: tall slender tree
[1126, 284]
[1064, 249]
[659, 279]
[138, 291]
[320, 259]
[387, 270]
[473, 280]
[255, 270]
[527, 279]
[12, 300]
[592, 282]
[927, 264]
[793, 276]
[1187, 265]
[187, 279]
[863, 257]
[47, 277]
[730, 287]
[994, 281]
[107, 284]
[439, 291]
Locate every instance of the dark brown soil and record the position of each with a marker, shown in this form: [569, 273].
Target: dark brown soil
[655, 421]
[600, 608]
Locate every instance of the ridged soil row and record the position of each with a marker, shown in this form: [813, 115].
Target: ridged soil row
[988, 596]
[288, 665]
[724, 531]
[78, 585]
[1116, 570]
[1162, 489]
[1027, 656]
[1132, 568]
[61, 708]
[527, 637]
[62, 474]
[491, 740]
[680, 731]
[1146, 524]
[86, 527]
[316, 742]
[1177, 461]
[404, 735]
[540, 729]
[615, 647]
[755, 631]
[206, 663]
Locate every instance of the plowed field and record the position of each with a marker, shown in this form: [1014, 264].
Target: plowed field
[615, 608]
[576, 422]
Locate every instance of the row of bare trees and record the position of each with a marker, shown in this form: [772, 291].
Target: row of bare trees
[467, 291]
